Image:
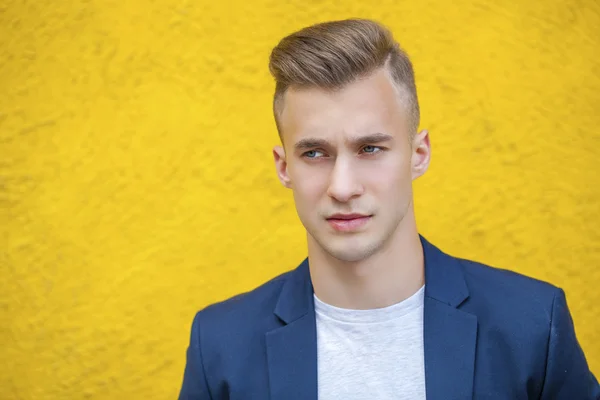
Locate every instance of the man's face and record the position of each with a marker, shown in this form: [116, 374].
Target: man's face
[350, 164]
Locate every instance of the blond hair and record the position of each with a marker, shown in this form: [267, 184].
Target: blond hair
[333, 54]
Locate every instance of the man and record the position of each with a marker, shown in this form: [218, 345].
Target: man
[375, 311]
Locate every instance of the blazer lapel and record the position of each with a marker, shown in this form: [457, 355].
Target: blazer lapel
[450, 335]
[292, 348]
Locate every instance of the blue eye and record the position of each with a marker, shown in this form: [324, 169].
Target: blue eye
[371, 149]
[312, 154]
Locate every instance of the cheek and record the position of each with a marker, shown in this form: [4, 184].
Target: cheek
[390, 175]
[309, 185]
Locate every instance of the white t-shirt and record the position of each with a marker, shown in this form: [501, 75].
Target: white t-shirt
[371, 354]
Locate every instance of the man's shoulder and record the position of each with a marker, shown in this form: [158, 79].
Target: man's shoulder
[251, 305]
[488, 276]
[507, 288]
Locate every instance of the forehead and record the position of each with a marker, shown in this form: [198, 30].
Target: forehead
[369, 104]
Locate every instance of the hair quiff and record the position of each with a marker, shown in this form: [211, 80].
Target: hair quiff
[332, 54]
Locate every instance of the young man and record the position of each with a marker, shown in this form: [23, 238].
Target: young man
[375, 311]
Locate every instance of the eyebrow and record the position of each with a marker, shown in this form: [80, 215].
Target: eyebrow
[309, 143]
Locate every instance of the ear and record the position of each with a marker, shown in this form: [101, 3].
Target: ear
[281, 166]
[421, 154]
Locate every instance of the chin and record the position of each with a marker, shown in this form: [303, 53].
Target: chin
[346, 248]
[351, 252]
[349, 257]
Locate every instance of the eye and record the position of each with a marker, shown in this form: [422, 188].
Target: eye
[371, 149]
[312, 154]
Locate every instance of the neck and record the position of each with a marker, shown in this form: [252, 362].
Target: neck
[387, 277]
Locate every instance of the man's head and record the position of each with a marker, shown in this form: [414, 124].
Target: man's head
[347, 113]
[331, 55]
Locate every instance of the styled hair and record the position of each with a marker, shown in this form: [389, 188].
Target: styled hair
[332, 54]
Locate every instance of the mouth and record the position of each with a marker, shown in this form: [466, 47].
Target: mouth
[348, 222]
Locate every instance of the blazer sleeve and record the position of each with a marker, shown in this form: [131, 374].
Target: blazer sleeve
[567, 373]
[195, 385]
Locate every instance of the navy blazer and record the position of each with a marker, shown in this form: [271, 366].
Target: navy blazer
[488, 334]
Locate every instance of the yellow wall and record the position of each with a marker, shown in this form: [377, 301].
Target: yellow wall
[136, 181]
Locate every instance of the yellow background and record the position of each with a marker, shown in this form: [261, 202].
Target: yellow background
[137, 186]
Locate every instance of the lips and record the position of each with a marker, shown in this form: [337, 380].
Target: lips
[348, 222]
[347, 216]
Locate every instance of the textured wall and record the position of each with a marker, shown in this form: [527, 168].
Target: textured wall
[136, 181]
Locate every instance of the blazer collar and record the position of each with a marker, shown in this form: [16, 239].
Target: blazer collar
[444, 281]
[449, 334]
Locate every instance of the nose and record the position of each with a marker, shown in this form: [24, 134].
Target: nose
[343, 182]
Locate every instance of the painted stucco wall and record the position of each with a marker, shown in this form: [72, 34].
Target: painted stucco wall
[137, 186]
